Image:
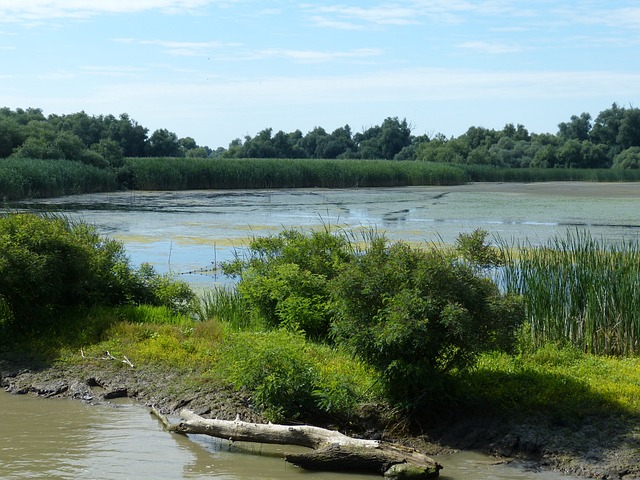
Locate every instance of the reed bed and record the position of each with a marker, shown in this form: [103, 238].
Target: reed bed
[484, 173]
[32, 178]
[181, 174]
[579, 290]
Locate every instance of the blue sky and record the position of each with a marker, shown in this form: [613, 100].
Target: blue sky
[217, 70]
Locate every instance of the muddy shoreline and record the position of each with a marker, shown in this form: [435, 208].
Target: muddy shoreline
[604, 448]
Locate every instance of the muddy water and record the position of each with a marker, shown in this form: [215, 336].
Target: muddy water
[67, 439]
[196, 230]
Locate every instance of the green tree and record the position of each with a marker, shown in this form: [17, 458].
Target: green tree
[629, 158]
[48, 265]
[110, 151]
[285, 279]
[164, 143]
[629, 132]
[577, 129]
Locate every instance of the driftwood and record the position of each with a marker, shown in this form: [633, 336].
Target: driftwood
[331, 450]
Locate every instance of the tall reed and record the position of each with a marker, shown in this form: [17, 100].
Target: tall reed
[579, 290]
[182, 173]
[24, 178]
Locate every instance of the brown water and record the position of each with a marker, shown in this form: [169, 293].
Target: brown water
[67, 439]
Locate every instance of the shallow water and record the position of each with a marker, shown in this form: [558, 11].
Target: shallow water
[194, 231]
[68, 439]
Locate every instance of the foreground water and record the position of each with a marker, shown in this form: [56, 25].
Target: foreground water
[67, 439]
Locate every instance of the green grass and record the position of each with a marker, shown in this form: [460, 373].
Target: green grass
[483, 173]
[291, 376]
[558, 384]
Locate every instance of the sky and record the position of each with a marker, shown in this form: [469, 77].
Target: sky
[217, 70]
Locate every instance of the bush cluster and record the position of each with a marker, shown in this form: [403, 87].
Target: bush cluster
[412, 314]
[51, 265]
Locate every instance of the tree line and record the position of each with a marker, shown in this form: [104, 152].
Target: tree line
[611, 139]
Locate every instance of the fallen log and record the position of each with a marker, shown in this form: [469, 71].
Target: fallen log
[332, 450]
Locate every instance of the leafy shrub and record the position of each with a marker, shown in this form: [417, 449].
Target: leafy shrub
[275, 367]
[415, 315]
[285, 278]
[48, 265]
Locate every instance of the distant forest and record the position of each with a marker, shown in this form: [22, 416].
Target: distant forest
[611, 140]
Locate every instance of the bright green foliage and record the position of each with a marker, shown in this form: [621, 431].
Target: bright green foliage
[48, 265]
[284, 280]
[276, 368]
[474, 249]
[411, 314]
[417, 314]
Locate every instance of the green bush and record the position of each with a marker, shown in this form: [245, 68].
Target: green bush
[275, 367]
[415, 315]
[48, 265]
[284, 280]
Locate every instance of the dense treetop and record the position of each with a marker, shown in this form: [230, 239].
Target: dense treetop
[612, 139]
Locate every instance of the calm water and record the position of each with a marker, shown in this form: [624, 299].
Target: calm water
[193, 231]
[67, 439]
[186, 231]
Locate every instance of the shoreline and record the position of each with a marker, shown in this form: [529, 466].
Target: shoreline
[605, 448]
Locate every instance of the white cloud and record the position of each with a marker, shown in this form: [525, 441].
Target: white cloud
[181, 48]
[491, 48]
[30, 11]
[414, 85]
[112, 71]
[315, 56]
[410, 13]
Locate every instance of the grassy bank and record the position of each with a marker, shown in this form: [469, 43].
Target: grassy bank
[182, 174]
[290, 377]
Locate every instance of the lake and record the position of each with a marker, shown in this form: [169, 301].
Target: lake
[193, 231]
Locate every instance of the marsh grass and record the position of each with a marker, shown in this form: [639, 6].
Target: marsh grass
[181, 174]
[483, 173]
[26, 178]
[192, 173]
[579, 290]
[226, 305]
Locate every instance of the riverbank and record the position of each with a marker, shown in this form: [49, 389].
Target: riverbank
[595, 447]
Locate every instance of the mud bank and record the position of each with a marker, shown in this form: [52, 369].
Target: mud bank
[604, 448]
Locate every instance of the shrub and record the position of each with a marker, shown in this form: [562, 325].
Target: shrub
[285, 278]
[415, 315]
[48, 265]
[276, 368]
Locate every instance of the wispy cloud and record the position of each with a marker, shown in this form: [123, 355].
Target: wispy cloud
[33, 11]
[491, 48]
[623, 18]
[409, 13]
[112, 70]
[316, 56]
[181, 48]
